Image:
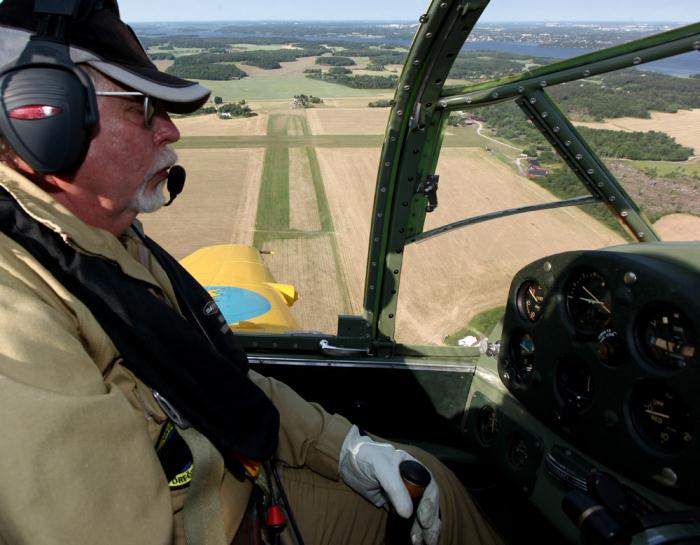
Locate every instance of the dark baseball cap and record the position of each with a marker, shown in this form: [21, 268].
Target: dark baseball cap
[102, 40]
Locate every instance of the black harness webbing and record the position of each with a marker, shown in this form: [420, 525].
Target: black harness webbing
[192, 361]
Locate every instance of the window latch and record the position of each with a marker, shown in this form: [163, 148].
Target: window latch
[429, 188]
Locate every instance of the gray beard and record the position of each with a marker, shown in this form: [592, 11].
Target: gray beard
[146, 201]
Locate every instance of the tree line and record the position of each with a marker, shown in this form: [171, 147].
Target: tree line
[336, 61]
[355, 82]
[630, 92]
[218, 72]
[509, 122]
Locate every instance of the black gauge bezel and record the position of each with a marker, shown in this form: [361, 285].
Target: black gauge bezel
[640, 323]
[611, 338]
[487, 412]
[571, 283]
[520, 374]
[640, 429]
[563, 396]
[521, 303]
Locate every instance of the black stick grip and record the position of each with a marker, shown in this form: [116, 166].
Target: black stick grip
[415, 478]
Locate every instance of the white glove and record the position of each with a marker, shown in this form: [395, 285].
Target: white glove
[372, 469]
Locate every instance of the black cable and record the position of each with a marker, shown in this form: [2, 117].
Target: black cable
[285, 501]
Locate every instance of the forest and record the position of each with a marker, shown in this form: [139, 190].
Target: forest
[631, 92]
[335, 61]
[510, 123]
[206, 71]
[267, 59]
[356, 82]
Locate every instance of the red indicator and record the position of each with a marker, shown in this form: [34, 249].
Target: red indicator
[35, 111]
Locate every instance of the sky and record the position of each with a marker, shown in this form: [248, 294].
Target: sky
[134, 11]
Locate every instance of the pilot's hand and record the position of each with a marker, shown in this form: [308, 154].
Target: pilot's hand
[372, 469]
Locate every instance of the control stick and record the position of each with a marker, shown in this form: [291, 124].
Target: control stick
[416, 478]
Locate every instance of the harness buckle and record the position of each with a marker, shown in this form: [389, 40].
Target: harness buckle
[170, 411]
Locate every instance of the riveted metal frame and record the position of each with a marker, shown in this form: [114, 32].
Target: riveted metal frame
[411, 149]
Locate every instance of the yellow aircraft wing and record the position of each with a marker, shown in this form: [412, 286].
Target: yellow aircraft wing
[241, 284]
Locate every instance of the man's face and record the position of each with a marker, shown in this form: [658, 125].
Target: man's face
[126, 163]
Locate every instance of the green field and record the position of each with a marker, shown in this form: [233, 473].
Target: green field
[177, 51]
[273, 203]
[275, 87]
[667, 168]
[260, 47]
[479, 326]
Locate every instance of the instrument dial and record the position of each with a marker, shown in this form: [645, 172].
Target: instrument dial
[589, 302]
[667, 337]
[574, 384]
[610, 348]
[530, 300]
[487, 424]
[661, 417]
[522, 357]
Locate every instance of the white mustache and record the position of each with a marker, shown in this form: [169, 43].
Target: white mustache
[165, 160]
[150, 201]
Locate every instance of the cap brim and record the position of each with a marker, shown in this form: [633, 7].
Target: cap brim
[178, 95]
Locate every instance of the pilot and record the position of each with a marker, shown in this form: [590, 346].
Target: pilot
[129, 414]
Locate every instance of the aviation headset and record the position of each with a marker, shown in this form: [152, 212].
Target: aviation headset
[48, 103]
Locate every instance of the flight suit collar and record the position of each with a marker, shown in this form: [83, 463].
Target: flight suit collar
[41, 206]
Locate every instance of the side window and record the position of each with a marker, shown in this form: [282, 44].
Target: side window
[454, 284]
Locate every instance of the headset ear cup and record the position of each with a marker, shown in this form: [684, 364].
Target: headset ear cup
[43, 116]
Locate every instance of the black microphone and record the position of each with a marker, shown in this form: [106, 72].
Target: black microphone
[176, 181]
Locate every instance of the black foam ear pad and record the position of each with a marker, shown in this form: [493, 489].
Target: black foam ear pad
[44, 116]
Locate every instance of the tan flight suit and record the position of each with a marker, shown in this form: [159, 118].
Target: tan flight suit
[77, 459]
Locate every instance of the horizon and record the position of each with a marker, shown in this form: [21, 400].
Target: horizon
[411, 22]
[498, 11]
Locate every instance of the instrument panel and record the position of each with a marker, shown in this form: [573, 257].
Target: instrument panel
[604, 348]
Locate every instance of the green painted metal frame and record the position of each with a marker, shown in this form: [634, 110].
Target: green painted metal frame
[411, 148]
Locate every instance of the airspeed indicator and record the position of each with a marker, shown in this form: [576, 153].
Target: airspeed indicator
[530, 300]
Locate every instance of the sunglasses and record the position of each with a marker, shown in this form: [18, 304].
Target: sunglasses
[150, 104]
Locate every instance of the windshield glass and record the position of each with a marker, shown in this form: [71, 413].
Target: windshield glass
[284, 156]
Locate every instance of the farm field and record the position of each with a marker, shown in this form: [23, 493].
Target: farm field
[664, 168]
[349, 176]
[310, 263]
[295, 68]
[678, 227]
[217, 205]
[348, 120]
[684, 126]
[475, 265]
[281, 87]
[211, 125]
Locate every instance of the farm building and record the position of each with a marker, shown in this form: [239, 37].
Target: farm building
[536, 172]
